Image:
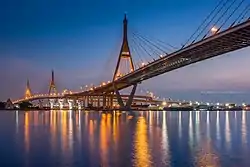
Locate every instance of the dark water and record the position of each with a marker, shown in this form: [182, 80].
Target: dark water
[160, 139]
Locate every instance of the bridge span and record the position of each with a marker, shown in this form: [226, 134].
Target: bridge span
[231, 39]
[221, 42]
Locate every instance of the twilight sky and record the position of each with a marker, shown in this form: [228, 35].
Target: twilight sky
[80, 40]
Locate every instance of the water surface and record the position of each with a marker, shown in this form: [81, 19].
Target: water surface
[93, 139]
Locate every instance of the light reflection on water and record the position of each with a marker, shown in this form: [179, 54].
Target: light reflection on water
[141, 149]
[81, 138]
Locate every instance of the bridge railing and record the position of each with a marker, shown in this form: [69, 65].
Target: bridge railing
[52, 95]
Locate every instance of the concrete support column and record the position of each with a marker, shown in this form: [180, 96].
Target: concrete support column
[60, 101]
[52, 103]
[129, 101]
[91, 100]
[108, 103]
[79, 105]
[40, 104]
[98, 101]
[71, 104]
[75, 104]
[104, 101]
[87, 101]
[84, 101]
[94, 102]
[111, 100]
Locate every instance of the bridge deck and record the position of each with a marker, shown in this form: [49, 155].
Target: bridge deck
[232, 39]
[138, 98]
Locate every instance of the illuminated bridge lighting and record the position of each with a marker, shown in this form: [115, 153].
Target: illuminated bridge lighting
[214, 30]
[232, 39]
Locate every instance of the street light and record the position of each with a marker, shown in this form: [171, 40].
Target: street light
[214, 30]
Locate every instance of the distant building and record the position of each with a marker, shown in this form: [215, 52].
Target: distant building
[9, 104]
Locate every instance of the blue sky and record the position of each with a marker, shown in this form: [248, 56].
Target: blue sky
[80, 40]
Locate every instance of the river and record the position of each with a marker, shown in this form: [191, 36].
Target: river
[93, 139]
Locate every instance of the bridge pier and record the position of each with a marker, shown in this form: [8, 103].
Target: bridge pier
[71, 104]
[107, 101]
[87, 101]
[98, 101]
[78, 102]
[91, 100]
[81, 104]
[94, 101]
[84, 101]
[112, 100]
[126, 107]
[61, 101]
[52, 103]
[104, 101]
[40, 104]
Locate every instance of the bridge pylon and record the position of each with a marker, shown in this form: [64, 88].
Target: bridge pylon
[27, 90]
[52, 86]
[124, 58]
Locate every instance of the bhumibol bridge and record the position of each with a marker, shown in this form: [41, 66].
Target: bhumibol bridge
[216, 40]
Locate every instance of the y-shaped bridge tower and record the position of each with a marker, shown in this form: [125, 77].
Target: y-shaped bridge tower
[28, 93]
[124, 66]
[52, 86]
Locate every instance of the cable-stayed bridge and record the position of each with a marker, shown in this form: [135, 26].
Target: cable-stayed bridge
[215, 40]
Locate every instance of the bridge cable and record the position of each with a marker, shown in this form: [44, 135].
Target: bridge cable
[136, 48]
[159, 44]
[141, 37]
[136, 51]
[218, 20]
[207, 25]
[137, 39]
[135, 58]
[149, 49]
[231, 15]
[156, 45]
[159, 41]
[143, 49]
[157, 52]
[243, 14]
[204, 21]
